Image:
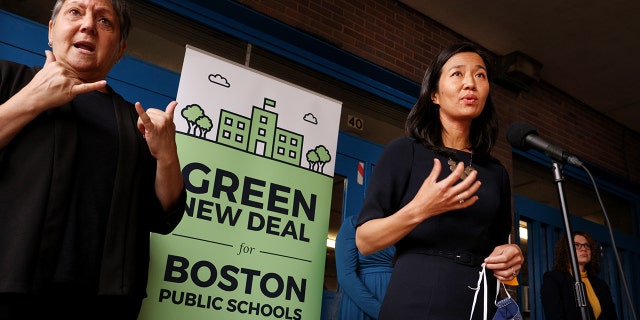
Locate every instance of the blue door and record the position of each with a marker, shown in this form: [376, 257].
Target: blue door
[355, 160]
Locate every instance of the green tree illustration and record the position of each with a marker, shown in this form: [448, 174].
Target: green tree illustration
[192, 113]
[318, 157]
[312, 158]
[205, 124]
[324, 157]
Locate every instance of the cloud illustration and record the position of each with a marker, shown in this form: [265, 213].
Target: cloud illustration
[310, 118]
[219, 80]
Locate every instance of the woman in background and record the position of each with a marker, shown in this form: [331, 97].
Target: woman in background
[363, 279]
[558, 285]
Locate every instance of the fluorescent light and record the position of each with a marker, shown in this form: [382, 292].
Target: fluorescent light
[523, 233]
[331, 243]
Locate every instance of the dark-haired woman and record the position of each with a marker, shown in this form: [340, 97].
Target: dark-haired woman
[441, 198]
[558, 285]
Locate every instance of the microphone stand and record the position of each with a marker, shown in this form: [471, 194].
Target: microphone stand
[579, 288]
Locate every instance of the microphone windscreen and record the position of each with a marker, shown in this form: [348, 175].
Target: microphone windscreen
[517, 133]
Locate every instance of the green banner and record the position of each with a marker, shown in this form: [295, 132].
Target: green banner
[257, 157]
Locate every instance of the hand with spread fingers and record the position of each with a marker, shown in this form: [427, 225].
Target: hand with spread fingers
[58, 83]
[54, 85]
[436, 197]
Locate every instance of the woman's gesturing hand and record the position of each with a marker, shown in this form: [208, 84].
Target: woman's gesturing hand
[436, 197]
[57, 83]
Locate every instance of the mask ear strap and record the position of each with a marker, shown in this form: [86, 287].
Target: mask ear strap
[498, 283]
[482, 279]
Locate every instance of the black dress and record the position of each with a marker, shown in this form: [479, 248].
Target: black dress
[438, 263]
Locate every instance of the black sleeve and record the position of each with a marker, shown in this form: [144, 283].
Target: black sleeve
[388, 181]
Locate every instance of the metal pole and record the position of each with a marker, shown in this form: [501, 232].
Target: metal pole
[581, 298]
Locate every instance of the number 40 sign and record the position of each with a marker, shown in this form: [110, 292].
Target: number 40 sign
[355, 122]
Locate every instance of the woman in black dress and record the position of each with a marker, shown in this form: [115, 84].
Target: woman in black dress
[440, 198]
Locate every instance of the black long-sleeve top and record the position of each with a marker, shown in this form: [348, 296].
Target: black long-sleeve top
[37, 173]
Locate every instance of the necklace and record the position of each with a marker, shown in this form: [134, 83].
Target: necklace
[467, 170]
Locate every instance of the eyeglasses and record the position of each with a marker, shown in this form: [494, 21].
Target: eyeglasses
[582, 246]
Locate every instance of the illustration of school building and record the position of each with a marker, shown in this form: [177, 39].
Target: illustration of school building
[260, 134]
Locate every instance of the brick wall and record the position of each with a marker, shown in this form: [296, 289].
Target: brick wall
[398, 38]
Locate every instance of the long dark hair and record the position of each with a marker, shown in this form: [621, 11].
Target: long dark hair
[423, 122]
[562, 259]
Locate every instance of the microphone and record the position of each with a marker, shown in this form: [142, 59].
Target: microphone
[524, 136]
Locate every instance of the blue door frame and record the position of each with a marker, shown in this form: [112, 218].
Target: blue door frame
[356, 156]
[355, 160]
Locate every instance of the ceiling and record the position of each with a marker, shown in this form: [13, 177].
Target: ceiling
[587, 49]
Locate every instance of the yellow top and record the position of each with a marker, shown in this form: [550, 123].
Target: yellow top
[591, 295]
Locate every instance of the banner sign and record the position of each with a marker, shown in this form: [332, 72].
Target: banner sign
[257, 157]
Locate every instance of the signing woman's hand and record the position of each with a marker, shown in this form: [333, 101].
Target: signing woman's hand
[54, 85]
[58, 83]
[159, 130]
